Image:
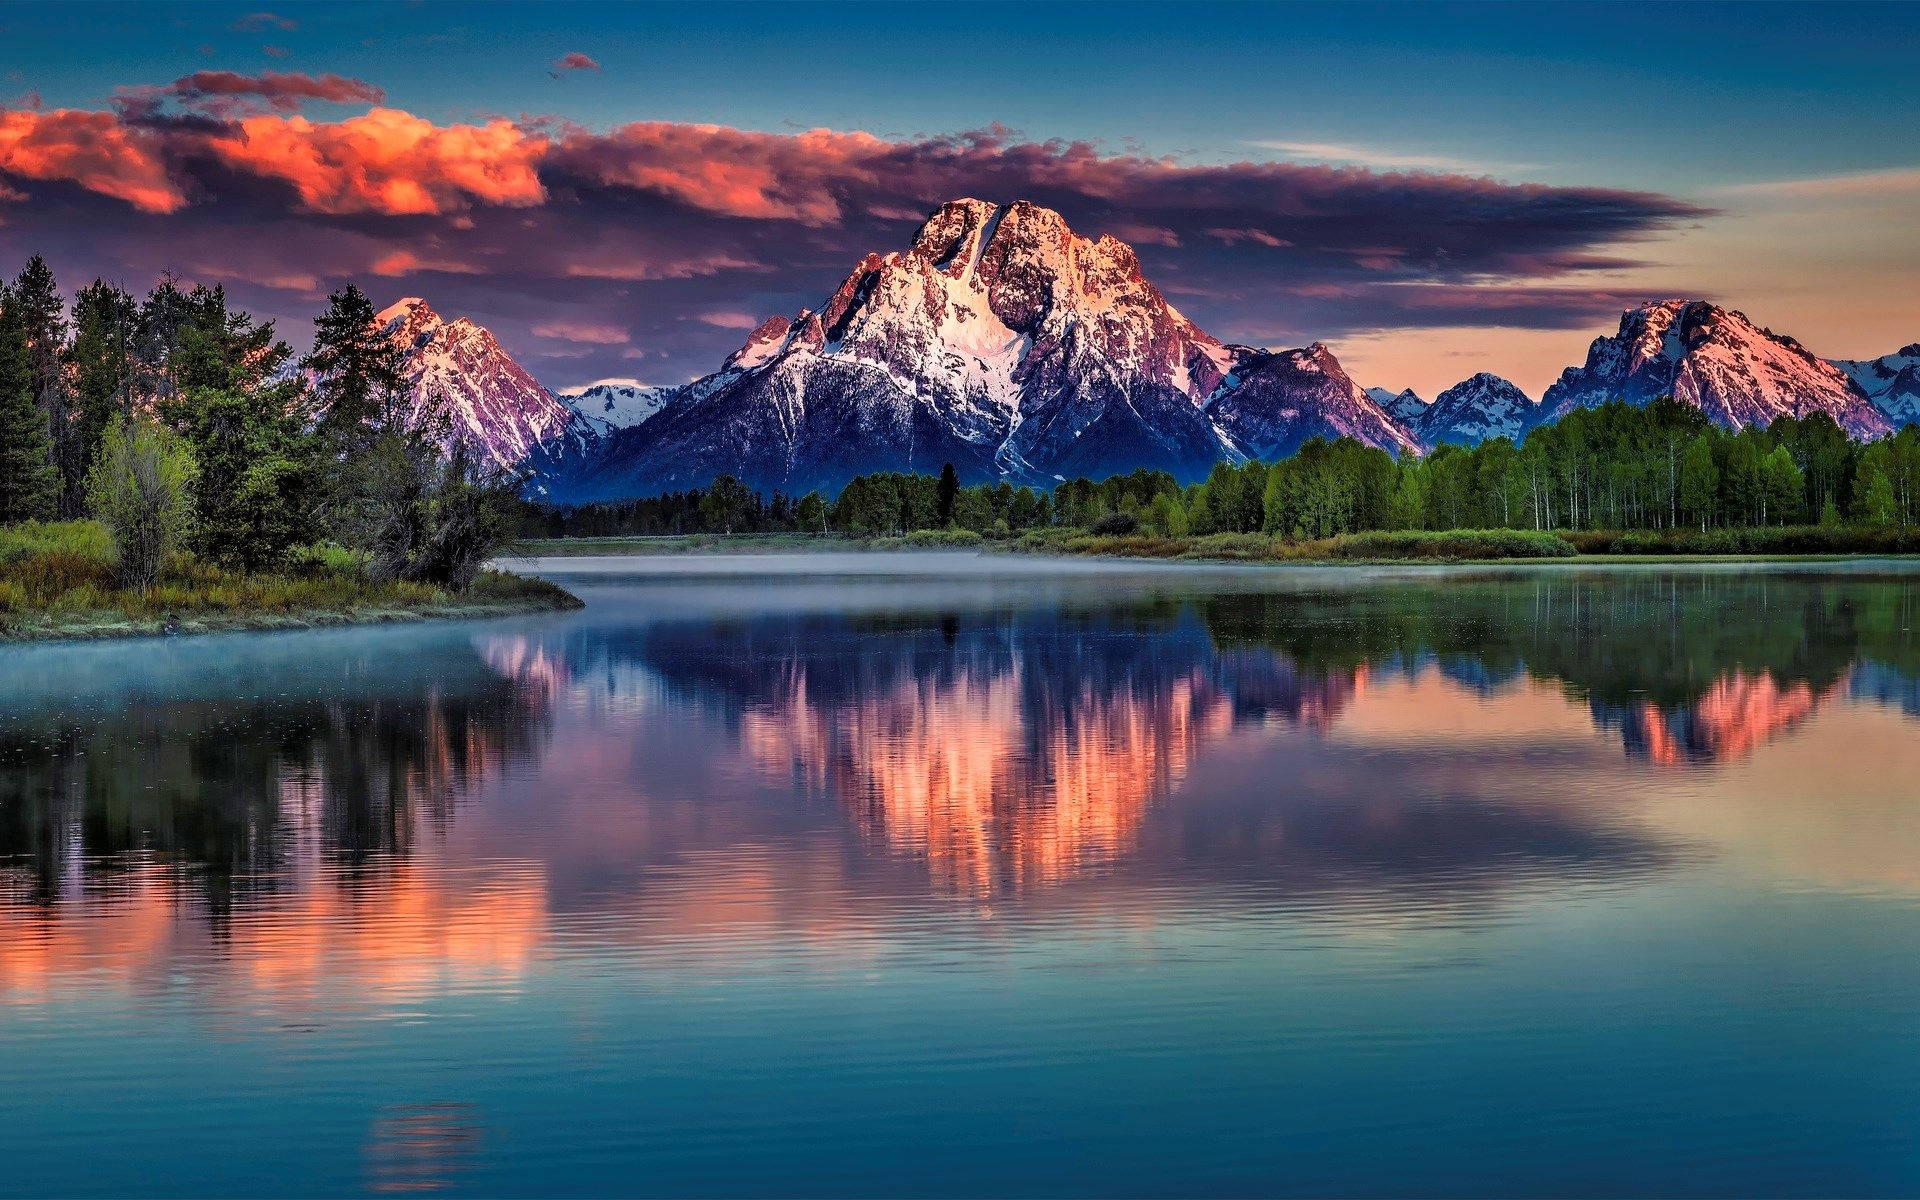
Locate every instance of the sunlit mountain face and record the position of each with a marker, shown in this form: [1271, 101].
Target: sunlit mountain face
[418, 811]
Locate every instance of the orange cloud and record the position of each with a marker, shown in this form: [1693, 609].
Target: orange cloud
[92, 149]
[390, 162]
[732, 172]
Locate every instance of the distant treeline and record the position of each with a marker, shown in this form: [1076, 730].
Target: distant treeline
[1617, 467]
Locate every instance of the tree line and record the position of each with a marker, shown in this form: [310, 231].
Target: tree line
[183, 422]
[1662, 466]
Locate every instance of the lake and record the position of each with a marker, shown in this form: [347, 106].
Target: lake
[948, 876]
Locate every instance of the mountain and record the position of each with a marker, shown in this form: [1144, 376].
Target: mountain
[494, 405]
[999, 341]
[1276, 401]
[606, 407]
[1892, 382]
[1717, 360]
[1477, 410]
[1404, 406]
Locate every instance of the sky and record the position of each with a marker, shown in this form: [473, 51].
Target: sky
[620, 192]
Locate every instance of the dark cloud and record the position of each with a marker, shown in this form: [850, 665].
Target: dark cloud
[652, 227]
[260, 22]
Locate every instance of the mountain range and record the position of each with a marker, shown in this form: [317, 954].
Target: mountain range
[1008, 345]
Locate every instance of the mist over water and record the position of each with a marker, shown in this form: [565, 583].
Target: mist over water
[946, 876]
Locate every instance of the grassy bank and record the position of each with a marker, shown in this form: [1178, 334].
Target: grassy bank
[56, 581]
[1454, 545]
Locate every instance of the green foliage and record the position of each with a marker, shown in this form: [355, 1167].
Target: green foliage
[102, 362]
[360, 383]
[257, 476]
[1453, 544]
[59, 578]
[141, 490]
[29, 484]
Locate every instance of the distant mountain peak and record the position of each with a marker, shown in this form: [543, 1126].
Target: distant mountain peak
[492, 403]
[1479, 408]
[1717, 360]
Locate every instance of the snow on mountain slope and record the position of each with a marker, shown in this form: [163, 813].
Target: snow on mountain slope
[606, 407]
[1476, 410]
[999, 341]
[491, 401]
[1278, 401]
[1404, 406]
[1717, 360]
[1891, 382]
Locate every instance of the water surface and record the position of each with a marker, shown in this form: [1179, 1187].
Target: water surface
[947, 876]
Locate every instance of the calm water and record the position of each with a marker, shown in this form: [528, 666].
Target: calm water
[981, 879]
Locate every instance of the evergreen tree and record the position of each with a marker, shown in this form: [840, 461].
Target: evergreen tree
[1699, 482]
[44, 315]
[101, 361]
[29, 484]
[949, 488]
[360, 372]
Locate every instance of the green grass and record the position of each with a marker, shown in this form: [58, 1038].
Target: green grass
[56, 581]
[692, 543]
[1425, 545]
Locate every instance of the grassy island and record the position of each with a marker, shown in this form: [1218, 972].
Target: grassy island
[57, 580]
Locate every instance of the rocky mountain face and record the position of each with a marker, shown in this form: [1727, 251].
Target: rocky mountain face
[1404, 406]
[1892, 383]
[1476, 410]
[1717, 360]
[1004, 343]
[605, 407]
[490, 400]
[999, 341]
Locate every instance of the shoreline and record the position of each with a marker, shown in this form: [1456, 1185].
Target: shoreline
[111, 625]
[528, 553]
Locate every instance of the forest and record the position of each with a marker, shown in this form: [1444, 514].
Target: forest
[1662, 467]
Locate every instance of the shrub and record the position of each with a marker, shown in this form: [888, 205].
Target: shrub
[1451, 544]
[141, 490]
[942, 537]
[1115, 524]
[1232, 545]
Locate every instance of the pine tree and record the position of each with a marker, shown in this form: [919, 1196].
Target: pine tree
[101, 361]
[361, 382]
[948, 489]
[44, 315]
[29, 485]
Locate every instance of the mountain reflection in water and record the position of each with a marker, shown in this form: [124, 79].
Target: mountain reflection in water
[1151, 882]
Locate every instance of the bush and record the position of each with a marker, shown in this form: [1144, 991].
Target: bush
[942, 537]
[1232, 545]
[1115, 524]
[1423, 544]
[141, 490]
[1768, 539]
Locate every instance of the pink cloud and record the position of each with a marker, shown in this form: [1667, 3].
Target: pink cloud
[92, 149]
[575, 61]
[729, 320]
[588, 332]
[1259, 236]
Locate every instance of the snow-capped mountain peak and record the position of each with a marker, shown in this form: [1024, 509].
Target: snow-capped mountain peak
[492, 403]
[1404, 406]
[610, 406]
[1001, 341]
[1891, 382]
[1475, 410]
[1716, 359]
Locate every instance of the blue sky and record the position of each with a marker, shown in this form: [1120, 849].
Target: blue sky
[1692, 102]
